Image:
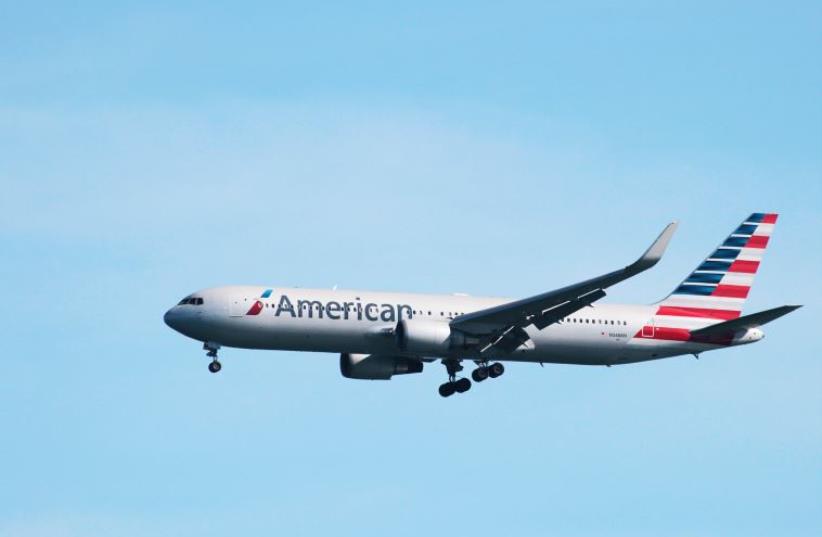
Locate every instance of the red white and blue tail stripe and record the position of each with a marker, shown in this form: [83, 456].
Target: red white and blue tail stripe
[717, 289]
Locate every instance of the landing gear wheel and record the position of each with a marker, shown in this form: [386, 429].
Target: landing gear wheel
[447, 389]
[211, 349]
[496, 369]
[462, 385]
[454, 385]
[480, 374]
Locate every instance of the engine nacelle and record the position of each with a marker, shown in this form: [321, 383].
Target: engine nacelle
[377, 366]
[429, 337]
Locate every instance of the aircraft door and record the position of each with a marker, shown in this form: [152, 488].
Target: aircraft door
[238, 305]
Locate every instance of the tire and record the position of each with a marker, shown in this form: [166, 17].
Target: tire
[462, 385]
[496, 369]
[215, 366]
[479, 374]
[447, 389]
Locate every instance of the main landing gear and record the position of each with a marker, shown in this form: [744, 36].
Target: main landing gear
[484, 371]
[454, 385]
[211, 351]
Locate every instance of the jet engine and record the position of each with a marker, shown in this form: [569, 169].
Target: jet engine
[377, 366]
[430, 337]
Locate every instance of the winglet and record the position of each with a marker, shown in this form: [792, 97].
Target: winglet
[654, 253]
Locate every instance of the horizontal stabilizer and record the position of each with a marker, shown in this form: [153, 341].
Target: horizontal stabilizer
[753, 320]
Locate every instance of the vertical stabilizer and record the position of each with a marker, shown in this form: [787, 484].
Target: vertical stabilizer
[717, 289]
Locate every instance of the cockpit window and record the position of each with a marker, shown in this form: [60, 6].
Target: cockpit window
[194, 301]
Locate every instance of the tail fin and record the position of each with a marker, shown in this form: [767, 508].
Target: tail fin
[717, 289]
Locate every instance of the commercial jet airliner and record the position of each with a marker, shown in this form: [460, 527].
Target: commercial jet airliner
[379, 335]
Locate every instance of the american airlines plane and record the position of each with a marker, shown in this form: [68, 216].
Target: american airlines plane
[379, 335]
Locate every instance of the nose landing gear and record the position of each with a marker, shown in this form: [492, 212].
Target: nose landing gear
[211, 351]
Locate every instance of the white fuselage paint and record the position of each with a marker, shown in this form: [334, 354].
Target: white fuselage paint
[603, 334]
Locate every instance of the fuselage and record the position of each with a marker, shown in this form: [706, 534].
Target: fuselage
[348, 321]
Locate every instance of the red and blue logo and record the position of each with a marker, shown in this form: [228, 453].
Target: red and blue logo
[257, 307]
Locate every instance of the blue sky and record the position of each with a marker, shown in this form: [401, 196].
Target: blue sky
[149, 150]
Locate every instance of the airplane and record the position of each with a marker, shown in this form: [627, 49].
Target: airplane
[379, 335]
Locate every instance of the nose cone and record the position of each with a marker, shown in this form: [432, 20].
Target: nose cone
[187, 320]
[171, 318]
[182, 319]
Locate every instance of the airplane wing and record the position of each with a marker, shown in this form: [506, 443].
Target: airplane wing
[503, 326]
